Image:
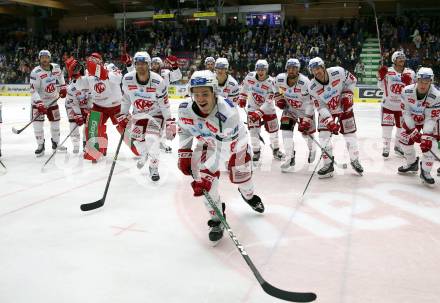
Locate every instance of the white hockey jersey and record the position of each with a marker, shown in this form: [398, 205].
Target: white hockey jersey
[297, 97]
[78, 95]
[106, 93]
[261, 92]
[46, 84]
[327, 96]
[392, 87]
[229, 89]
[170, 76]
[148, 100]
[417, 112]
[222, 129]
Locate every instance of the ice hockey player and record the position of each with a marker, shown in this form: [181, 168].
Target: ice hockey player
[146, 92]
[331, 90]
[227, 86]
[421, 112]
[210, 64]
[104, 85]
[46, 87]
[78, 101]
[220, 134]
[392, 81]
[293, 98]
[261, 108]
[169, 75]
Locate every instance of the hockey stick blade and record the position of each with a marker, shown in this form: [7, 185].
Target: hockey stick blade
[16, 131]
[287, 295]
[93, 205]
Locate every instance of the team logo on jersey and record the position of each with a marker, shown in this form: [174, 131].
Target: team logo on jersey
[132, 87]
[50, 88]
[211, 127]
[143, 104]
[99, 87]
[336, 82]
[187, 121]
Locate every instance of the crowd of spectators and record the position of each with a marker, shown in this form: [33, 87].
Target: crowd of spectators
[338, 44]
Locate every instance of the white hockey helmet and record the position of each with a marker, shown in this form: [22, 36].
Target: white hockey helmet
[142, 57]
[261, 64]
[222, 63]
[396, 55]
[209, 60]
[425, 73]
[44, 52]
[157, 60]
[292, 62]
[315, 62]
[203, 78]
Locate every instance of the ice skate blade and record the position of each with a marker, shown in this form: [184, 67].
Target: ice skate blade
[326, 176]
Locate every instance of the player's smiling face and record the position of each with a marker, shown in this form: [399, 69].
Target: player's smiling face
[261, 73]
[319, 73]
[292, 72]
[155, 67]
[204, 98]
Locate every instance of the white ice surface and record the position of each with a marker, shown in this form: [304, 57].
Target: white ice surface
[351, 239]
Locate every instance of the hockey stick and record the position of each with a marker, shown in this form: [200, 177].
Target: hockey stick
[1, 163]
[435, 156]
[55, 151]
[373, 6]
[343, 165]
[100, 202]
[17, 131]
[267, 287]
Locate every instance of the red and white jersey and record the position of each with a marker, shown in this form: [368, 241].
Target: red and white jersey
[229, 89]
[417, 111]
[261, 93]
[46, 84]
[78, 95]
[170, 76]
[106, 93]
[392, 87]
[297, 96]
[148, 99]
[326, 97]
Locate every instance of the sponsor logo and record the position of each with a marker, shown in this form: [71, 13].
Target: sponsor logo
[142, 104]
[187, 121]
[264, 86]
[183, 105]
[155, 81]
[373, 93]
[297, 90]
[129, 78]
[336, 82]
[320, 91]
[335, 73]
[221, 116]
[211, 127]
[251, 82]
[151, 90]
[43, 76]
[132, 87]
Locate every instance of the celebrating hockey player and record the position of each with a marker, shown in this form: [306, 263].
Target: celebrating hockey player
[104, 85]
[261, 109]
[293, 98]
[421, 112]
[78, 101]
[392, 81]
[169, 76]
[332, 92]
[210, 64]
[146, 91]
[227, 86]
[215, 123]
[46, 87]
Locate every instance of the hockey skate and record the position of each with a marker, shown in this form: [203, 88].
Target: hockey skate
[288, 165]
[385, 152]
[166, 148]
[409, 168]
[154, 173]
[357, 166]
[141, 162]
[312, 156]
[216, 230]
[254, 202]
[39, 152]
[256, 158]
[277, 154]
[426, 177]
[398, 151]
[60, 149]
[326, 171]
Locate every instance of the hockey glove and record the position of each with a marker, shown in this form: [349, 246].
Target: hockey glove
[426, 143]
[41, 108]
[413, 134]
[304, 125]
[406, 79]
[171, 129]
[382, 72]
[184, 160]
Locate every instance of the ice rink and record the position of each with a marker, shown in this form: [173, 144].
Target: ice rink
[351, 239]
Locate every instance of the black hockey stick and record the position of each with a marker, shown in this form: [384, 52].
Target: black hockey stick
[55, 151]
[343, 165]
[17, 131]
[100, 202]
[267, 287]
[1, 163]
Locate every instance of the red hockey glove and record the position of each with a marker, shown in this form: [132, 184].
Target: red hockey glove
[305, 124]
[332, 126]
[123, 120]
[79, 120]
[242, 100]
[347, 101]
[171, 129]
[382, 72]
[255, 116]
[41, 108]
[425, 144]
[126, 59]
[406, 79]
[63, 92]
[281, 103]
[199, 186]
[414, 135]
[172, 61]
[97, 70]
